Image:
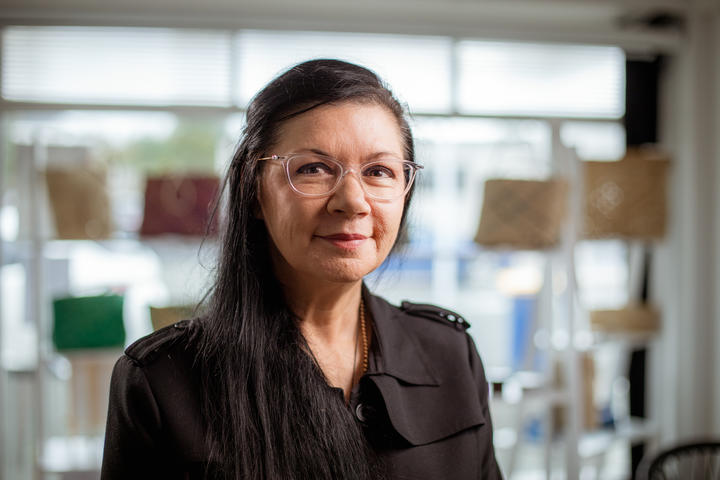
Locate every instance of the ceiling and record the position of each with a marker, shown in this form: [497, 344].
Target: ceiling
[552, 20]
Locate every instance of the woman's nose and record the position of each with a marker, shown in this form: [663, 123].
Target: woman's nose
[350, 197]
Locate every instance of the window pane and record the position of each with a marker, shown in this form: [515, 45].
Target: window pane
[603, 273]
[417, 68]
[594, 140]
[537, 79]
[146, 66]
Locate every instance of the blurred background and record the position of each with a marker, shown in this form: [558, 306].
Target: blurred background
[567, 208]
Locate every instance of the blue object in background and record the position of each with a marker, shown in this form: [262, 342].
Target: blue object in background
[523, 321]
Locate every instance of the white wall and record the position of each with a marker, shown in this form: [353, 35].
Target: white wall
[689, 364]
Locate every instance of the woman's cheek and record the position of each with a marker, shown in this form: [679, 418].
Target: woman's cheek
[389, 225]
[386, 238]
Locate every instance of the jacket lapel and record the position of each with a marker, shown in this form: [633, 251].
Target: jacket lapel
[400, 355]
[417, 401]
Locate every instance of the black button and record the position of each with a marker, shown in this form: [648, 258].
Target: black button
[359, 412]
[364, 412]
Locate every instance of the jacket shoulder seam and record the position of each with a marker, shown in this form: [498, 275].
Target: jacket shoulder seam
[145, 350]
[442, 315]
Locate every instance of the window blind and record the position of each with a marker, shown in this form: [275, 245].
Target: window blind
[507, 78]
[594, 140]
[417, 68]
[156, 66]
[113, 65]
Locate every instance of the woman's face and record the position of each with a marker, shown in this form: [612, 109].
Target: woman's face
[346, 235]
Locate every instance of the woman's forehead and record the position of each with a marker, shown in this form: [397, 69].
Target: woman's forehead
[346, 126]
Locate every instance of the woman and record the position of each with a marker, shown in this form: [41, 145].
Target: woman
[297, 371]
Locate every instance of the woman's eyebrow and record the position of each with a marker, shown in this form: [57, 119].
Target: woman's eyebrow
[316, 151]
[369, 157]
[383, 154]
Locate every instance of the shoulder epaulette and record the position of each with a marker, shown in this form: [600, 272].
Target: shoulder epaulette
[146, 349]
[438, 314]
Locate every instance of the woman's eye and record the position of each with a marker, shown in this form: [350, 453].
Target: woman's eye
[315, 168]
[379, 171]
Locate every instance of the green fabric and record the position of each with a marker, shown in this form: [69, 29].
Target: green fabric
[88, 322]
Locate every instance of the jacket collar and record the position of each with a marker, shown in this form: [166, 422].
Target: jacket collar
[397, 351]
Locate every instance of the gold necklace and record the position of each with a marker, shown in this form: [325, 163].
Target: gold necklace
[363, 331]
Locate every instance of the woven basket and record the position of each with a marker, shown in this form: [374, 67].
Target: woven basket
[522, 214]
[79, 202]
[627, 198]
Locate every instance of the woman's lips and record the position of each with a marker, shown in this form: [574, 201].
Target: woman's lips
[347, 241]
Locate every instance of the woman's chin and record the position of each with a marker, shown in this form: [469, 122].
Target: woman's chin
[345, 271]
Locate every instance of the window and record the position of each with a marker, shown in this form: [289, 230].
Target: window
[540, 79]
[417, 68]
[142, 66]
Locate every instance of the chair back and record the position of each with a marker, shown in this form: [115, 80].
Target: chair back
[689, 461]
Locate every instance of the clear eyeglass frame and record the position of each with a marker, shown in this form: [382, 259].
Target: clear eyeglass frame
[285, 159]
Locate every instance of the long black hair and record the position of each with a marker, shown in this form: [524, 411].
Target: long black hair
[268, 409]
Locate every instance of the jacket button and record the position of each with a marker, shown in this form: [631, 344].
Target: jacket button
[363, 412]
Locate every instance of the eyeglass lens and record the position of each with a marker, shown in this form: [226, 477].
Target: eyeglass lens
[315, 175]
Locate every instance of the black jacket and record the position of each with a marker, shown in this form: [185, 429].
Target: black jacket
[423, 403]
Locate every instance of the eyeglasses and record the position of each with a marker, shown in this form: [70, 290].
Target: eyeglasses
[315, 175]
